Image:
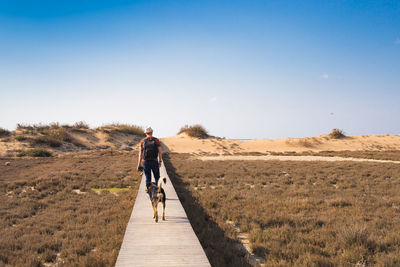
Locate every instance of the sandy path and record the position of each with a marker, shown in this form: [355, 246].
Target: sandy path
[293, 158]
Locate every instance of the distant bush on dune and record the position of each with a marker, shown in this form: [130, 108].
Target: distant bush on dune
[80, 126]
[4, 132]
[337, 133]
[35, 152]
[22, 138]
[197, 131]
[123, 128]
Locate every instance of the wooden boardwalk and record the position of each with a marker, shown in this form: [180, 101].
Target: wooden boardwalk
[167, 243]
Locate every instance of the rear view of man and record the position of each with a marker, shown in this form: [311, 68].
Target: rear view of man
[150, 156]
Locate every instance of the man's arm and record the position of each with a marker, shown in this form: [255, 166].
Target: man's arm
[140, 156]
[159, 155]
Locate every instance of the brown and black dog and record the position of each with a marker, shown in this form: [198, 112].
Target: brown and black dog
[157, 195]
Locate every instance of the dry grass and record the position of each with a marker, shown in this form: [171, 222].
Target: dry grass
[49, 214]
[371, 154]
[216, 237]
[197, 131]
[35, 152]
[296, 213]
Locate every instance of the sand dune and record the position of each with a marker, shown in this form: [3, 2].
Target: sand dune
[93, 139]
[72, 141]
[184, 144]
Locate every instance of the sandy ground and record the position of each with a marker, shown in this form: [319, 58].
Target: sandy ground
[184, 144]
[293, 158]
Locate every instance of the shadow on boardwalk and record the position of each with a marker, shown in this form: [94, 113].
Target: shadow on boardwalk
[220, 250]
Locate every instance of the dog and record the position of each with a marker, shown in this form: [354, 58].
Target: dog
[157, 195]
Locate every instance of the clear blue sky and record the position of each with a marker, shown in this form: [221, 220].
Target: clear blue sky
[243, 69]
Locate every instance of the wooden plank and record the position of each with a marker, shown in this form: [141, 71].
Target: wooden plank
[167, 243]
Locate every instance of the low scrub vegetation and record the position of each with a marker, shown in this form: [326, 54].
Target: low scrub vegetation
[370, 154]
[294, 213]
[33, 128]
[196, 131]
[51, 217]
[124, 128]
[111, 190]
[37, 127]
[76, 137]
[50, 140]
[35, 152]
[337, 134]
[4, 132]
[217, 238]
[22, 138]
[52, 137]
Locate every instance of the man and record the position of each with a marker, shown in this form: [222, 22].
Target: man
[150, 150]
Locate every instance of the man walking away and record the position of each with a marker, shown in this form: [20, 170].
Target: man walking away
[150, 150]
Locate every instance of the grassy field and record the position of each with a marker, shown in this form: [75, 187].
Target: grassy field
[295, 213]
[379, 155]
[51, 216]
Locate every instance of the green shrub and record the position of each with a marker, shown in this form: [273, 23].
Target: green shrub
[47, 140]
[52, 137]
[35, 152]
[45, 132]
[196, 131]
[4, 132]
[21, 138]
[337, 134]
[126, 128]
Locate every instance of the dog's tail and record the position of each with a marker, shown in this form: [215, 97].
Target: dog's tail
[159, 184]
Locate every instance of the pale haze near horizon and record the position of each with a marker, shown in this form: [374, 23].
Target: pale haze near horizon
[242, 69]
